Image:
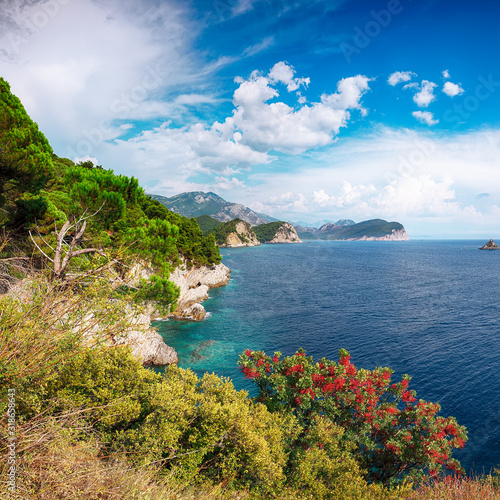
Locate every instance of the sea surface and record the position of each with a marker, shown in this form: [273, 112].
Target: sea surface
[427, 308]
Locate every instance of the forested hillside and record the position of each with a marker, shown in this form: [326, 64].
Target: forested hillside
[44, 199]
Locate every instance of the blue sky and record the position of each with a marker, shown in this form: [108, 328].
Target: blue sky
[305, 110]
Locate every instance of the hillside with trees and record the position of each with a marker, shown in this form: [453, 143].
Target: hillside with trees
[50, 204]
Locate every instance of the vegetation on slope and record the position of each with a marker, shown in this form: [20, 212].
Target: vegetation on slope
[266, 232]
[207, 224]
[222, 231]
[92, 422]
[370, 228]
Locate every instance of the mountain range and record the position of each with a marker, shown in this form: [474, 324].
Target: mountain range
[198, 203]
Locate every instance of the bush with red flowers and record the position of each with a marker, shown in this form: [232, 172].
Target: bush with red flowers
[395, 436]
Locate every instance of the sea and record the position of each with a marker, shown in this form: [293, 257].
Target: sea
[429, 309]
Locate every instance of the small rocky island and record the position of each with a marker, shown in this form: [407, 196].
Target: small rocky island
[491, 245]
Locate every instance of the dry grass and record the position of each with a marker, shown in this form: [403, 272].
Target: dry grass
[60, 458]
[484, 488]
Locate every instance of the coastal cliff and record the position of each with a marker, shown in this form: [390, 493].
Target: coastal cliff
[194, 285]
[277, 232]
[370, 230]
[394, 235]
[236, 233]
[286, 234]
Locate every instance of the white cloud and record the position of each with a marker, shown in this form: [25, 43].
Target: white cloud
[400, 76]
[426, 94]
[93, 64]
[226, 184]
[290, 202]
[348, 197]
[417, 196]
[283, 73]
[452, 89]
[446, 74]
[425, 117]
[276, 126]
[427, 181]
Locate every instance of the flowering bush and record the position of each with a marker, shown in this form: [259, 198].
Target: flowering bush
[395, 437]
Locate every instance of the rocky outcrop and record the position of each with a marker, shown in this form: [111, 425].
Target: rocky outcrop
[491, 245]
[133, 328]
[194, 285]
[241, 236]
[395, 235]
[345, 229]
[145, 342]
[286, 234]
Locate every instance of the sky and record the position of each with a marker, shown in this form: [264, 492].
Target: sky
[306, 111]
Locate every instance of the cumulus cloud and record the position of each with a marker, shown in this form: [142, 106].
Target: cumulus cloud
[266, 126]
[283, 73]
[226, 184]
[446, 74]
[426, 94]
[349, 196]
[419, 195]
[425, 117]
[400, 76]
[290, 202]
[452, 89]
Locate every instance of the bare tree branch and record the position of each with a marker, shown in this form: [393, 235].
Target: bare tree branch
[36, 244]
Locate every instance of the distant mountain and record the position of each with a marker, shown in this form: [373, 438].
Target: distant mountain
[197, 203]
[317, 224]
[375, 229]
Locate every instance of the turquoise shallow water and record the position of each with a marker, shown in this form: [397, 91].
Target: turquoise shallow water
[427, 308]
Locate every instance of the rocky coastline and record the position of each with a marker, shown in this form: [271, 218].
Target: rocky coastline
[194, 283]
[286, 233]
[395, 235]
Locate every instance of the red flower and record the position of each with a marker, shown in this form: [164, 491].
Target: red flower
[248, 352]
[294, 369]
[317, 378]
[407, 397]
[275, 359]
[328, 387]
[339, 383]
[345, 360]
[451, 430]
[249, 373]
[350, 370]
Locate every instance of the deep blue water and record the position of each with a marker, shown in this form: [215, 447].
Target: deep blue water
[427, 308]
